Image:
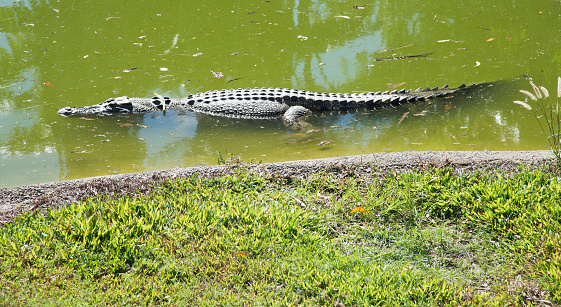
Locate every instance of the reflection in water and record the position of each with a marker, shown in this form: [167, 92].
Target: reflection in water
[54, 54]
[168, 139]
[339, 61]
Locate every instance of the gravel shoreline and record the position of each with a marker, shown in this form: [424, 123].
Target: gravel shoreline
[14, 201]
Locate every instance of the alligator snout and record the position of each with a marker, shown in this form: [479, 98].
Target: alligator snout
[66, 111]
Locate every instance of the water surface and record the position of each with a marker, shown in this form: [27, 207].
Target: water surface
[55, 54]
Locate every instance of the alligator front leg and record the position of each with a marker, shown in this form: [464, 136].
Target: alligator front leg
[295, 114]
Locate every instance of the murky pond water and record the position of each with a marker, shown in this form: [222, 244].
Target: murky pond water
[64, 53]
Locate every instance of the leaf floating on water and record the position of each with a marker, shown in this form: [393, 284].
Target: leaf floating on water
[217, 74]
[197, 54]
[125, 125]
[323, 143]
[359, 209]
[85, 118]
[234, 79]
[491, 39]
[342, 16]
[292, 143]
[402, 117]
[394, 57]
[448, 106]
[394, 86]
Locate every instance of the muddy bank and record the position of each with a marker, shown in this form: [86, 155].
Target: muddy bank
[14, 201]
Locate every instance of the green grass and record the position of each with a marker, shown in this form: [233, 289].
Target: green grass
[425, 238]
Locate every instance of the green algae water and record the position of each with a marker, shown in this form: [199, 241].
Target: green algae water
[63, 53]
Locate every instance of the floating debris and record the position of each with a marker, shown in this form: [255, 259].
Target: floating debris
[217, 74]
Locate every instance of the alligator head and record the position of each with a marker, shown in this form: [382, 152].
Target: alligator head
[116, 105]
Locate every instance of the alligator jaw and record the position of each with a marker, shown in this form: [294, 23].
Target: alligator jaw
[113, 105]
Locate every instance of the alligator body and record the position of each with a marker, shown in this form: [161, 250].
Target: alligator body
[261, 103]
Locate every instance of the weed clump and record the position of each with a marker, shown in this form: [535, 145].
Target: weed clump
[547, 114]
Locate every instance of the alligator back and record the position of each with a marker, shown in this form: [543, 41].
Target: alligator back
[315, 101]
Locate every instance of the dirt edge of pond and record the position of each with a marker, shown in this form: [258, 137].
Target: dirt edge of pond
[14, 201]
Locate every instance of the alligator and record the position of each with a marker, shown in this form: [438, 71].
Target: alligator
[260, 103]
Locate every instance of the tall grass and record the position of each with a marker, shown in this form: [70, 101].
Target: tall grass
[547, 114]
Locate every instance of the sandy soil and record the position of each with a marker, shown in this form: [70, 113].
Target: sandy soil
[14, 201]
